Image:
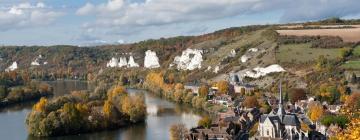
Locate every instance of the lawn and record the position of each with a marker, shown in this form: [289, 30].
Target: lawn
[356, 51]
[352, 65]
[300, 53]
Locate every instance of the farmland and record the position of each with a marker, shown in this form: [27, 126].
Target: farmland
[302, 53]
[347, 34]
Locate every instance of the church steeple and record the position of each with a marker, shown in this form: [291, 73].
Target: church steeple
[281, 111]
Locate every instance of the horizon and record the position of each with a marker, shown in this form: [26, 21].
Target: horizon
[93, 23]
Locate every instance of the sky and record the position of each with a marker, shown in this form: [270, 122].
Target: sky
[91, 22]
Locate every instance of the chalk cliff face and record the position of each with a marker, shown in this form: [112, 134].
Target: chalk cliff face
[113, 63]
[38, 61]
[122, 62]
[12, 67]
[259, 71]
[151, 60]
[132, 63]
[190, 59]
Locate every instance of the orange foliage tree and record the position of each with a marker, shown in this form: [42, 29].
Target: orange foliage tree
[40, 106]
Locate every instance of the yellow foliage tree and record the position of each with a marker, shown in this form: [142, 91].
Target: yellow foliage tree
[107, 108]
[315, 112]
[223, 87]
[203, 91]
[117, 90]
[40, 106]
[179, 86]
[352, 132]
[82, 108]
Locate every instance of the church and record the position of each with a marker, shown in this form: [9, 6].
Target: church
[280, 125]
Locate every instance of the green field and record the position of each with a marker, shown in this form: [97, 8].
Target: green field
[356, 51]
[300, 53]
[352, 65]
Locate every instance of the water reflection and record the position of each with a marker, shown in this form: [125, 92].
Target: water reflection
[162, 114]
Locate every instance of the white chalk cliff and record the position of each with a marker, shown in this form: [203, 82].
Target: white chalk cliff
[132, 63]
[112, 63]
[248, 55]
[12, 67]
[190, 59]
[151, 60]
[122, 62]
[259, 71]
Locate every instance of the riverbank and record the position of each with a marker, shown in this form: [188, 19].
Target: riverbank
[25, 93]
[82, 112]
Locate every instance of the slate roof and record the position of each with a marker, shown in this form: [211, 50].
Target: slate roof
[291, 119]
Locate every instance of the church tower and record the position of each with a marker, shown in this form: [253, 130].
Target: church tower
[281, 111]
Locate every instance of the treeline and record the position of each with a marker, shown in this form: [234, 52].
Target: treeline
[84, 111]
[316, 41]
[15, 88]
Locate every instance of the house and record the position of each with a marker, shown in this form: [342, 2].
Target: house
[222, 100]
[280, 125]
[213, 133]
[239, 86]
[333, 108]
[193, 87]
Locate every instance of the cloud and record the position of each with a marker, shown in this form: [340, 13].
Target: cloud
[26, 15]
[159, 12]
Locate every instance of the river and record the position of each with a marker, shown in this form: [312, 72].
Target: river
[161, 115]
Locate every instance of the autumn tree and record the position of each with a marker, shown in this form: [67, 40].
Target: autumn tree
[315, 111]
[108, 109]
[178, 132]
[223, 87]
[250, 102]
[115, 91]
[179, 86]
[3, 92]
[203, 91]
[134, 107]
[205, 122]
[353, 101]
[296, 94]
[352, 132]
[40, 106]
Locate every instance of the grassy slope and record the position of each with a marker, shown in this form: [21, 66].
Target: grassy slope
[302, 53]
[354, 65]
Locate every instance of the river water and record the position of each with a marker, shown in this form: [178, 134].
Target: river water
[161, 115]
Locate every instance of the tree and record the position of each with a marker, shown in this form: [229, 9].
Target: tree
[205, 122]
[178, 132]
[250, 102]
[117, 90]
[297, 94]
[315, 111]
[203, 91]
[353, 101]
[352, 132]
[108, 109]
[223, 87]
[345, 52]
[179, 86]
[40, 106]
[134, 107]
[3, 92]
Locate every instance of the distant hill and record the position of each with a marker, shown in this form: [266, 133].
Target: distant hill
[246, 51]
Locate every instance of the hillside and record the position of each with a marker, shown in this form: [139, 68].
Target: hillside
[257, 53]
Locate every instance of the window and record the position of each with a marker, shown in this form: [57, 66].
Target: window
[267, 132]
